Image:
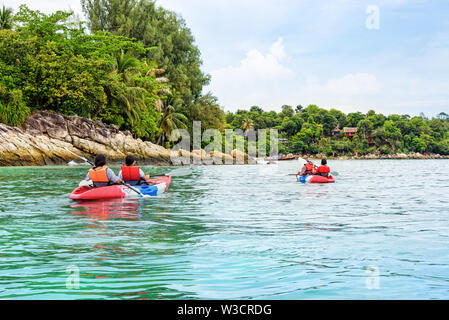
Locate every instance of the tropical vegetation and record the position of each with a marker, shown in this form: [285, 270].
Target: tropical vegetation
[53, 62]
[314, 130]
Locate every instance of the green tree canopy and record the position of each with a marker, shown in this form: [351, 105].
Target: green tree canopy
[311, 131]
[163, 31]
[47, 62]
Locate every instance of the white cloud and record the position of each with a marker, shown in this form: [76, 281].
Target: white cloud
[348, 85]
[257, 79]
[277, 50]
[351, 92]
[265, 80]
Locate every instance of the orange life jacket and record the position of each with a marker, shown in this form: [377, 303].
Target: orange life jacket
[323, 171]
[98, 175]
[310, 167]
[130, 173]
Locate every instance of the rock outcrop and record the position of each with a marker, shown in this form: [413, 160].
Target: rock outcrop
[48, 138]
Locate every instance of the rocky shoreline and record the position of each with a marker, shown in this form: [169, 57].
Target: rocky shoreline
[411, 155]
[51, 139]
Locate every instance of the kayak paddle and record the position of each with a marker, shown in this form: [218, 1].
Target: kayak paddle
[136, 190]
[82, 158]
[174, 173]
[179, 172]
[334, 173]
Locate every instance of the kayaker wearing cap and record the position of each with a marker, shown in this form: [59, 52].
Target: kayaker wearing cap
[308, 168]
[100, 174]
[323, 170]
[131, 174]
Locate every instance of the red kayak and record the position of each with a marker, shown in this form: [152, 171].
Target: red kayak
[315, 179]
[156, 187]
[321, 179]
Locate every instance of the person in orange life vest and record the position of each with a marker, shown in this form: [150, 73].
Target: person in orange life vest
[308, 168]
[100, 174]
[131, 174]
[323, 170]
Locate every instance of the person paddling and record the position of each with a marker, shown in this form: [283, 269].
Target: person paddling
[307, 169]
[323, 170]
[100, 174]
[131, 174]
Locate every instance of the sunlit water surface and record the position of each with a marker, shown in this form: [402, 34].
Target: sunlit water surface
[231, 232]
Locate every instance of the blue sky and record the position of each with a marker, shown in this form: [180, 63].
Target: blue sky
[270, 53]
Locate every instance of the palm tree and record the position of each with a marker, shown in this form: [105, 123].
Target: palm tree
[120, 88]
[247, 124]
[125, 64]
[6, 18]
[170, 119]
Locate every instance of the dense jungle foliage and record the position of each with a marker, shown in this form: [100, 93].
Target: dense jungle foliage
[314, 130]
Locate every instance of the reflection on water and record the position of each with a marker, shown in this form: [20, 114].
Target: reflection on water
[318, 191]
[108, 209]
[231, 232]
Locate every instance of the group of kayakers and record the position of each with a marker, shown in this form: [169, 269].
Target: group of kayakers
[101, 175]
[309, 168]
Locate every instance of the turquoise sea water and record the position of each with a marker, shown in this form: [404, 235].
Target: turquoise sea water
[231, 232]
